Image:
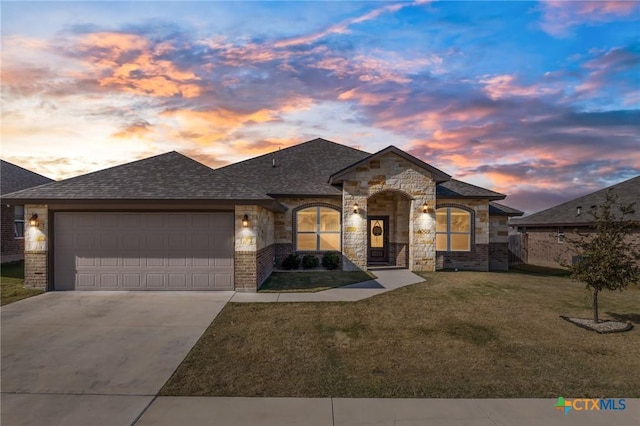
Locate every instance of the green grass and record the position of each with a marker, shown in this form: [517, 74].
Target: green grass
[12, 284]
[458, 335]
[311, 281]
[539, 270]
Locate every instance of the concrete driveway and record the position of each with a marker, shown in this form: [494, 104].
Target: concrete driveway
[96, 357]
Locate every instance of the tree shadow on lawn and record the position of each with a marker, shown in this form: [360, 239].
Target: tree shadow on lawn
[634, 318]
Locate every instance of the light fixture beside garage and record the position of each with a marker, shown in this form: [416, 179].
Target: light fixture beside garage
[33, 221]
[245, 221]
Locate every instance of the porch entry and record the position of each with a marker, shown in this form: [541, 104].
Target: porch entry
[378, 240]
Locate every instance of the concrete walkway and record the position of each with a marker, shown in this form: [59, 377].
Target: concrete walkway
[386, 280]
[196, 411]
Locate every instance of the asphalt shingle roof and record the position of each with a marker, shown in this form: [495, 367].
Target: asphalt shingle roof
[170, 176]
[457, 189]
[305, 169]
[302, 169]
[497, 209]
[567, 213]
[14, 178]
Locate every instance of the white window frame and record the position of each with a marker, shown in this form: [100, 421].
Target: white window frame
[448, 232]
[317, 231]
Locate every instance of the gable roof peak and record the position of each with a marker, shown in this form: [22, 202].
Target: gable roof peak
[437, 174]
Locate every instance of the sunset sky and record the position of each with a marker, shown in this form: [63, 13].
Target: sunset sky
[538, 100]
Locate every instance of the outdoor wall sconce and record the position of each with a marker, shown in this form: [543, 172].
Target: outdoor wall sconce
[426, 209]
[355, 208]
[245, 221]
[33, 221]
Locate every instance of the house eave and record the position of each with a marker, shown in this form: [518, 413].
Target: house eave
[269, 204]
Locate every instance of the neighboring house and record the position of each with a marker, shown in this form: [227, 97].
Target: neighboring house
[544, 237]
[170, 223]
[14, 178]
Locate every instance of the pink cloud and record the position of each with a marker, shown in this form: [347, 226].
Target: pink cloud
[559, 16]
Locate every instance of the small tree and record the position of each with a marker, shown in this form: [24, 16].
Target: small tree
[605, 260]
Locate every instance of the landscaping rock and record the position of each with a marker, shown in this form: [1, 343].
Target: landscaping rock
[601, 327]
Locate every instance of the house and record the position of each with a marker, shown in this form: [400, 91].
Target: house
[171, 223]
[14, 178]
[542, 236]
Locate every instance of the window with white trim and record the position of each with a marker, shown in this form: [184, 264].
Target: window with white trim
[18, 218]
[453, 229]
[317, 229]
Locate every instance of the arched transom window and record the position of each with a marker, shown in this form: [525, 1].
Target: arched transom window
[317, 229]
[453, 229]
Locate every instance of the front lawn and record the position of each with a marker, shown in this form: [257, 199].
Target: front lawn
[12, 284]
[458, 335]
[309, 281]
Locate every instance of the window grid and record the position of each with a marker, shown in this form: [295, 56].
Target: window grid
[449, 231]
[318, 232]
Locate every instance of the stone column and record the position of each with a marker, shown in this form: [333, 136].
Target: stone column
[246, 248]
[354, 232]
[36, 247]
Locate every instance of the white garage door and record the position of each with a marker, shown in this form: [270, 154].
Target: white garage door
[143, 251]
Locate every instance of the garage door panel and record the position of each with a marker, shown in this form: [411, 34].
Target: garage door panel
[86, 281]
[108, 281]
[107, 253]
[222, 281]
[131, 281]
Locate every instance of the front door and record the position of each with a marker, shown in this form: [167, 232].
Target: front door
[378, 240]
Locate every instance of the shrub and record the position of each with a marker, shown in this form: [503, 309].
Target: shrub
[331, 260]
[310, 261]
[291, 262]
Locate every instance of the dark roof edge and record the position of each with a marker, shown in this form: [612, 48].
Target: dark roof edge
[497, 209]
[270, 204]
[285, 195]
[438, 175]
[471, 197]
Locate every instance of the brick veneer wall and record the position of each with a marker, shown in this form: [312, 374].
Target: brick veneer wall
[245, 271]
[543, 248]
[399, 254]
[11, 248]
[35, 270]
[265, 263]
[282, 250]
[475, 260]
[498, 256]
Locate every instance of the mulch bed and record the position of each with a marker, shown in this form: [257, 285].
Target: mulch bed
[602, 327]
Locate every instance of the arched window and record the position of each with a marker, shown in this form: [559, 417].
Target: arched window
[453, 229]
[317, 229]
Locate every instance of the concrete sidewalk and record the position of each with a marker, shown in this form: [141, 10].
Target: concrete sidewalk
[386, 280]
[196, 411]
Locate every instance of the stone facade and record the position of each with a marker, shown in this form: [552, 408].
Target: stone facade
[285, 222]
[254, 247]
[397, 207]
[477, 259]
[11, 247]
[389, 172]
[36, 255]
